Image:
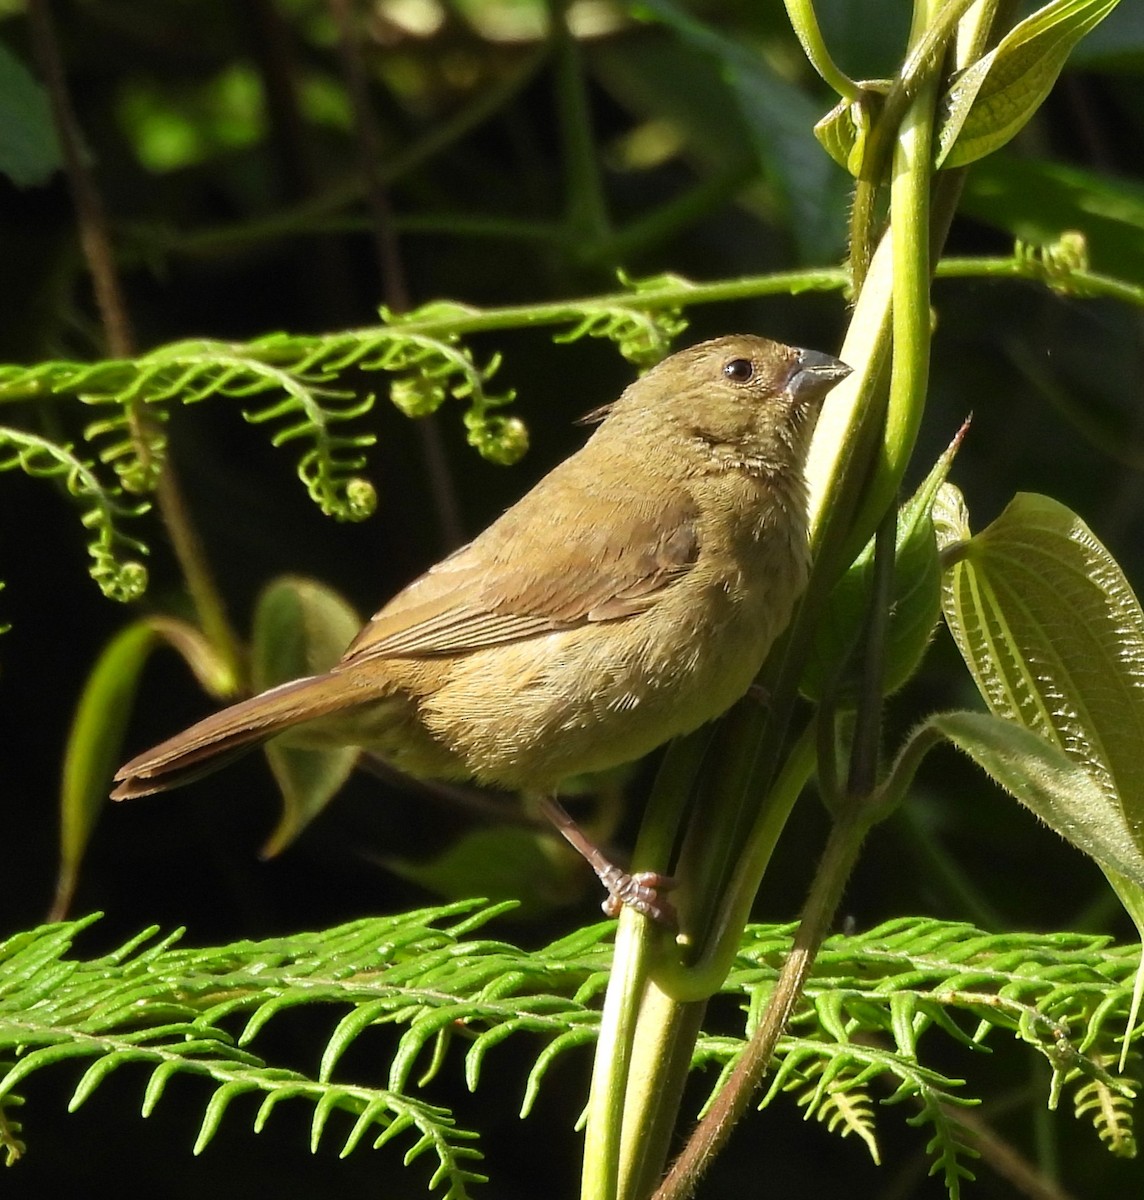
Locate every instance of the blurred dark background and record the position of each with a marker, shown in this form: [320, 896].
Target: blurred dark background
[221, 139]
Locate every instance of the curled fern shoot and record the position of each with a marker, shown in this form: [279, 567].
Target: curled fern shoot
[643, 335]
[118, 576]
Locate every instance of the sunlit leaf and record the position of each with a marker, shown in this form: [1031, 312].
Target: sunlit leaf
[1054, 637]
[992, 100]
[1049, 783]
[844, 131]
[94, 748]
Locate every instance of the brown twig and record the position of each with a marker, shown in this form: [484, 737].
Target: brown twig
[712, 1132]
[388, 249]
[98, 252]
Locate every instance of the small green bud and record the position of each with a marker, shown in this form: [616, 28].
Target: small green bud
[417, 395]
[503, 440]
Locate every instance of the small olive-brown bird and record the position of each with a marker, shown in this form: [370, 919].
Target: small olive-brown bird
[631, 596]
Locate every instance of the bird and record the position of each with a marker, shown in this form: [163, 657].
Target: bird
[631, 596]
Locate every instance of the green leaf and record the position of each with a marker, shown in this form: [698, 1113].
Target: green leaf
[94, 747]
[95, 741]
[991, 101]
[915, 606]
[1047, 781]
[1054, 637]
[844, 130]
[301, 627]
[29, 151]
[1036, 200]
[1067, 798]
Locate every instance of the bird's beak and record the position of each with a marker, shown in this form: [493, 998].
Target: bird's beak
[814, 374]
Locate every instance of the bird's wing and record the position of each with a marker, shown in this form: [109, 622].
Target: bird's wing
[541, 568]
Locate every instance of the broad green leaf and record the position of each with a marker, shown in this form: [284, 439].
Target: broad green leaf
[1054, 637]
[1036, 200]
[94, 748]
[29, 151]
[991, 101]
[95, 742]
[301, 627]
[722, 92]
[1051, 784]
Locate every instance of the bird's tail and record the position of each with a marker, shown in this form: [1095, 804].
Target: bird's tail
[215, 740]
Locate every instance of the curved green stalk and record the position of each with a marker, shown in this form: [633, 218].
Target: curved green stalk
[805, 24]
[622, 1119]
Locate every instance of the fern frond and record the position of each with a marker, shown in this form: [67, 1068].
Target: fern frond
[835, 1100]
[118, 577]
[643, 335]
[1108, 1104]
[12, 1147]
[430, 974]
[293, 381]
[1058, 993]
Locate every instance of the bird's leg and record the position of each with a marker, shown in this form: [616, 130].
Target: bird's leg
[640, 891]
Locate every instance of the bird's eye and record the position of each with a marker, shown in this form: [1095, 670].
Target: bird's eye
[739, 370]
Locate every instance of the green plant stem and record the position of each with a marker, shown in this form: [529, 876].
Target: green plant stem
[892, 315]
[711, 1133]
[601, 1173]
[1078, 282]
[199, 580]
[910, 229]
[587, 212]
[613, 1108]
[928, 42]
[804, 21]
[708, 959]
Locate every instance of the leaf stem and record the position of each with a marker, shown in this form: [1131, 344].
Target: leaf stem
[805, 24]
[587, 212]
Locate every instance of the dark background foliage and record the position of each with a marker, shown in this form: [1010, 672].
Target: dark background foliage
[221, 139]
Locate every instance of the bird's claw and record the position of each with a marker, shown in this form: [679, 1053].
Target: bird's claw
[640, 891]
